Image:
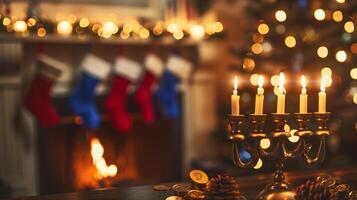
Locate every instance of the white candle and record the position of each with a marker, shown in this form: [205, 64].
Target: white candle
[235, 99]
[303, 96]
[259, 97]
[322, 96]
[280, 109]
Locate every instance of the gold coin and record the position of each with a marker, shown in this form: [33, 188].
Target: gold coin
[196, 194]
[181, 188]
[198, 176]
[174, 198]
[161, 188]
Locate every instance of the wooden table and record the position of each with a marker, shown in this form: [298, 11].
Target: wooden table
[250, 186]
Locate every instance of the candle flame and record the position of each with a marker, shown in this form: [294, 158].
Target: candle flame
[281, 80]
[303, 81]
[235, 82]
[260, 81]
[323, 83]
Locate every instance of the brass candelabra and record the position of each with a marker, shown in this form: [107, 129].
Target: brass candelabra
[281, 148]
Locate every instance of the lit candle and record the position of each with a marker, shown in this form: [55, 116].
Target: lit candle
[259, 97]
[322, 96]
[235, 98]
[280, 109]
[303, 96]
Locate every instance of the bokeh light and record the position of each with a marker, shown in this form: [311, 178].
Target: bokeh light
[355, 98]
[293, 138]
[349, 27]
[290, 41]
[265, 143]
[263, 29]
[20, 26]
[84, 22]
[280, 15]
[197, 32]
[274, 80]
[64, 28]
[341, 56]
[41, 32]
[354, 48]
[259, 164]
[6, 21]
[319, 14]
[248, 64]
[178, 35]
[254, 79]
[353, 73]
[337, 16]
[257, 48]
[340, 1]
[326, 71]
[144, 33]
[322, 52]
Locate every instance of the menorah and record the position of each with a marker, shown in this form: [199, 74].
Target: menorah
[281, 148]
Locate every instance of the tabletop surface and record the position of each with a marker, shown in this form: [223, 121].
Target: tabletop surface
[250, 186]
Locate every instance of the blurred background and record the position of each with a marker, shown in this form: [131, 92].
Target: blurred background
[58, 134]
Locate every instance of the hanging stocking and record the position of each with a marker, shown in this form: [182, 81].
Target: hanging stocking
[143, 95]
[38, 100]
[177, 69]
[127, 71]
[82, 100]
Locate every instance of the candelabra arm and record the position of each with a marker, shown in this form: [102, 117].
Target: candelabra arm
[295, 152]
[321, 152]
[238, 161]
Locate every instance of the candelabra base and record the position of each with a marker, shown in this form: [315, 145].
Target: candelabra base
[271, 192]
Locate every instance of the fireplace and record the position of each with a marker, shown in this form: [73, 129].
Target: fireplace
[150, 154]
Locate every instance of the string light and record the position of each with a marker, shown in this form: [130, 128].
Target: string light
[20, 26]
[280, 15]
[341, 56]
[257, 48]
[64, 28]
[349, 27]
[337, 16]
[322, 52]
[319, 14]
[290, 41]
[197, 32]
[353, 73]
[263, 29]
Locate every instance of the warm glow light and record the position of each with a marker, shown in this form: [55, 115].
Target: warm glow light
[127, 28]
[267, 47]
[6, 21]
[158, 28]
[281, 83]
[274, 80]
[326, 71]
[280, 15]
[197, 32]
[355, 98]
[99, 162]
[110, 27]
[290, 41]
[31, 22]
[64, 28]
[178, 35]
[259, 164]
[84, 22]
[97, 149]
[257, 48]
[303, 81]
[353, 73]
[172, 28]
[217, 27]
[20, 26]
[322, 52]
[341, 56]
[263, 29]
[124, 35]
[248, 64]
[112, 170]
[349, 27]
[235, 83]
[254, 79]
[340, 1]
[261, 81]
[337, 16]
[144, 33]
[265, 143]
[319, 14]
[41, 32]
[323, 84]
[293, 138]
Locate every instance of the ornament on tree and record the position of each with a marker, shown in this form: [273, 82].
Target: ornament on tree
[223, 187]
[143, 95]
[37, 100]
[82, 100]
[177, 69]
[127, 71]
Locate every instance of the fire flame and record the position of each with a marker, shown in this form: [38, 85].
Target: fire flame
[99, 162]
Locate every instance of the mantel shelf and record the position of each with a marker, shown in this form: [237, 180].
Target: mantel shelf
[90, 40]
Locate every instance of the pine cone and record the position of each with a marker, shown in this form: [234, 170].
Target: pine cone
[315, 190]
[223, 187]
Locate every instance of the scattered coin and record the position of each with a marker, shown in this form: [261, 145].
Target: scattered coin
[161, 188]
[181, 189]
[196, 194]
[198, 176]
[174, 198]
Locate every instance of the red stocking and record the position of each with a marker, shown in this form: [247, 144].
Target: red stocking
[143, 96]
[38, 100]
[127, 72]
